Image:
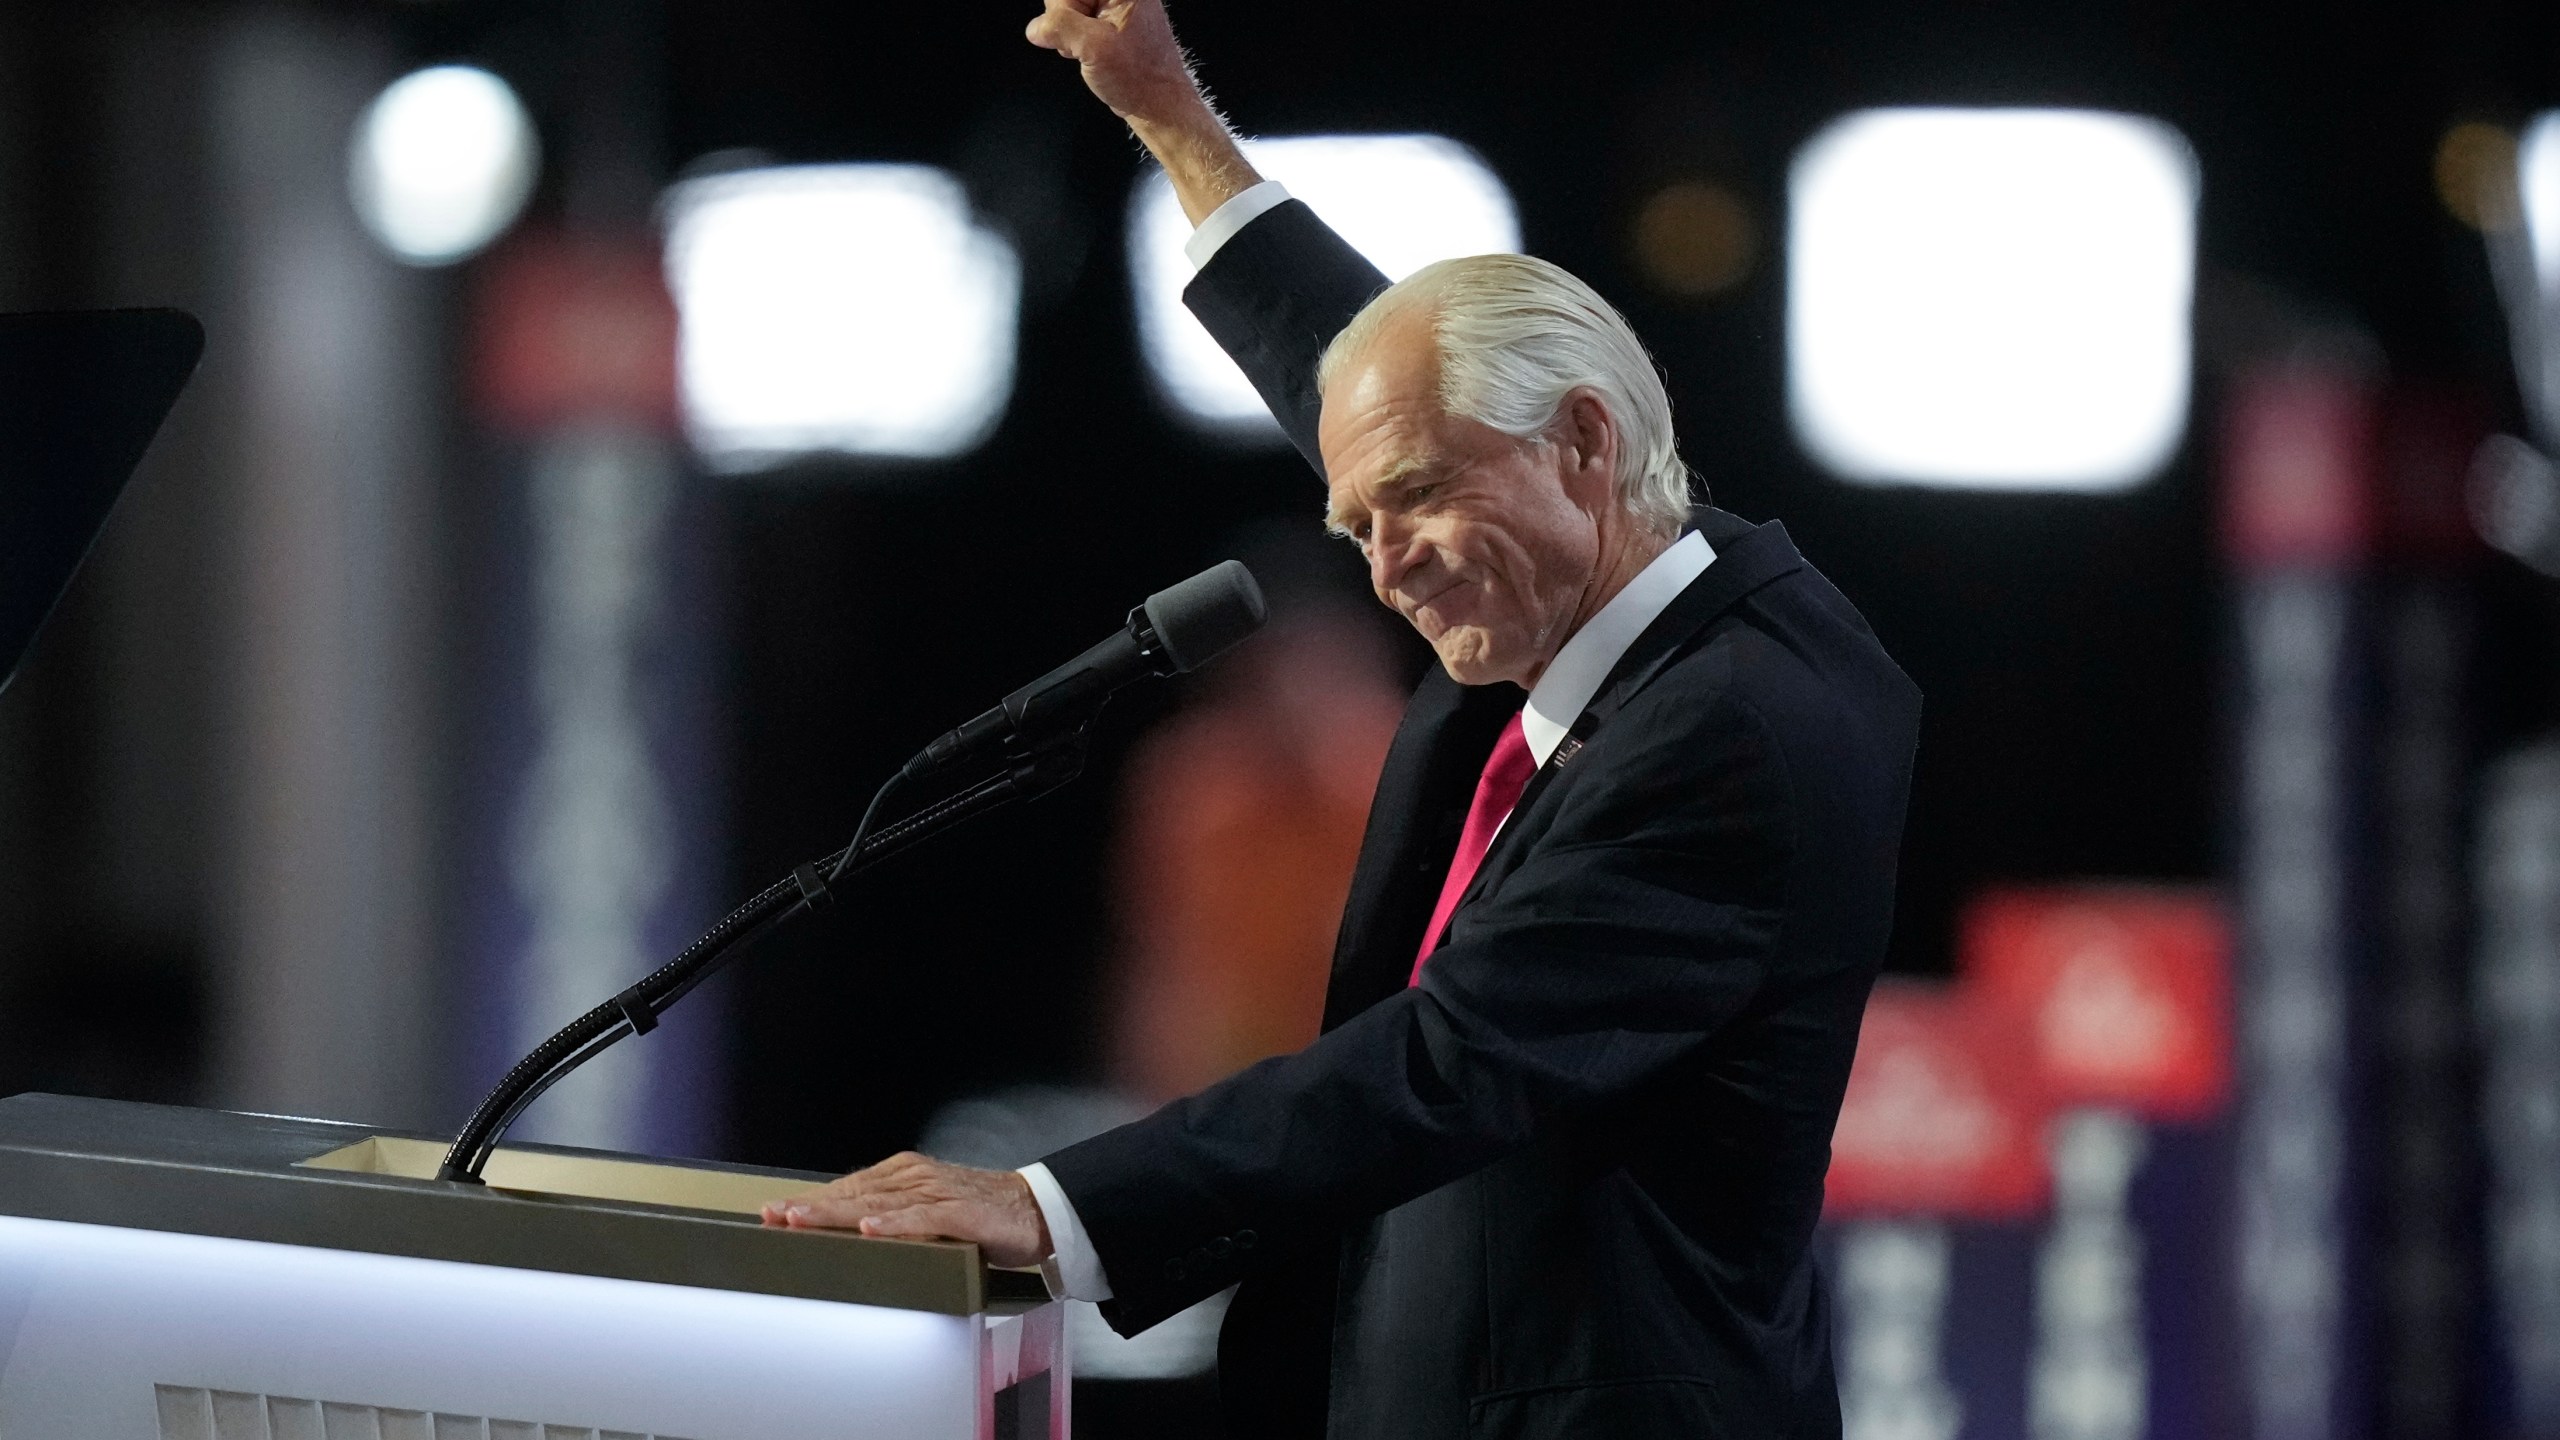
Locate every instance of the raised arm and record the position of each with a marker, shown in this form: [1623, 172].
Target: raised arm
[1134, 65]
[1278, 290]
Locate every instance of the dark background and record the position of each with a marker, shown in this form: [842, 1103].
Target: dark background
[2070, 647]
[2076, 652]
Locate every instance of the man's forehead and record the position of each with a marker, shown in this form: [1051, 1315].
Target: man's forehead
[1376, 439]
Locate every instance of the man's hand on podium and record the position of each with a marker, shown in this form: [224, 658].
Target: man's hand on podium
[913, 1196]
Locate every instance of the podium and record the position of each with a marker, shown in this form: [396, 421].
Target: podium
[176, 1274]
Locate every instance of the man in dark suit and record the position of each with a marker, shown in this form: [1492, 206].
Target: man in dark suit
[1554, 1165]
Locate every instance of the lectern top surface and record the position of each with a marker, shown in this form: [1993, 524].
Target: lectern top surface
[250, 1177]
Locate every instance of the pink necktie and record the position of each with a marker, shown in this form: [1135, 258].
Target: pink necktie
[1506, 774]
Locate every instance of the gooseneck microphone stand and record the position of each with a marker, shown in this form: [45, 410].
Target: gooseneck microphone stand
[1031, 771]
[1038, 739]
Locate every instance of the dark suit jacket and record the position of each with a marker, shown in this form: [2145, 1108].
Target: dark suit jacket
[1567, 1185]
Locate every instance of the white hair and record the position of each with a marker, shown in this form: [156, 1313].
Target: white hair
[1516, 334]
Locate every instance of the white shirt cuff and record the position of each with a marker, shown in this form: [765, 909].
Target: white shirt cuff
[1227, 219]
[1073, 1271]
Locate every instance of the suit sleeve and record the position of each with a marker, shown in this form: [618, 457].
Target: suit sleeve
[1643, 921]
[1274, 296]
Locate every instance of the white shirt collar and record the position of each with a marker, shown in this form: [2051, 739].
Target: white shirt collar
[1574, 676]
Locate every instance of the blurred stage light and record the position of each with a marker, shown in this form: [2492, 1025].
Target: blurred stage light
[2475, 173]
[2515, 501]
[441, 163]
[1402, 200]
[1993, 299]
[2538, 186]
[1695, 238]
[838, 308]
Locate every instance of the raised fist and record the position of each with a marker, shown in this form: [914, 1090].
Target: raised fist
[1129, 57]
[1133, 63]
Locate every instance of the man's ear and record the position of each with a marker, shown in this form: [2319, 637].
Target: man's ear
[1588, 436]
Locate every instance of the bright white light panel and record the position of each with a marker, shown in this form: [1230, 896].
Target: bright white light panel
[1402, 200]
[1991, 298]
[856, 309]
[103, 1317]
[2538, 184]
[441, 163]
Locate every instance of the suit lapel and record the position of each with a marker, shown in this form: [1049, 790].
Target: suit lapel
[1747, 557]
[1414, 818]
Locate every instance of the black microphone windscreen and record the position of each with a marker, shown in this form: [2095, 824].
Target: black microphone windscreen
[1202, 616]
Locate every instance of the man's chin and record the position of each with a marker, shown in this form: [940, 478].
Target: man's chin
[1467, 657]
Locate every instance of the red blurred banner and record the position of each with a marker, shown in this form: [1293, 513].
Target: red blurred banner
[1943, 1115]
[572, 329]
[2298, 468]
[2121, 995]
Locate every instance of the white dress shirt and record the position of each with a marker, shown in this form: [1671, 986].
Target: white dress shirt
[1073, 1270]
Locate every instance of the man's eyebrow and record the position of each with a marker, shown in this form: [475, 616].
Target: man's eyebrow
[1337, 518]
[1407, 472]
[1401, 475]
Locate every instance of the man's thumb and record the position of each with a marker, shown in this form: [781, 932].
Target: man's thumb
[1067, 30]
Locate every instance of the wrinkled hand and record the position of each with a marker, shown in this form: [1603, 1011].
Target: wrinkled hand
[1129, 56]
[917, 1197]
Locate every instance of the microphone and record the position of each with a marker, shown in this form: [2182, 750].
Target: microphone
[1178, 629]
